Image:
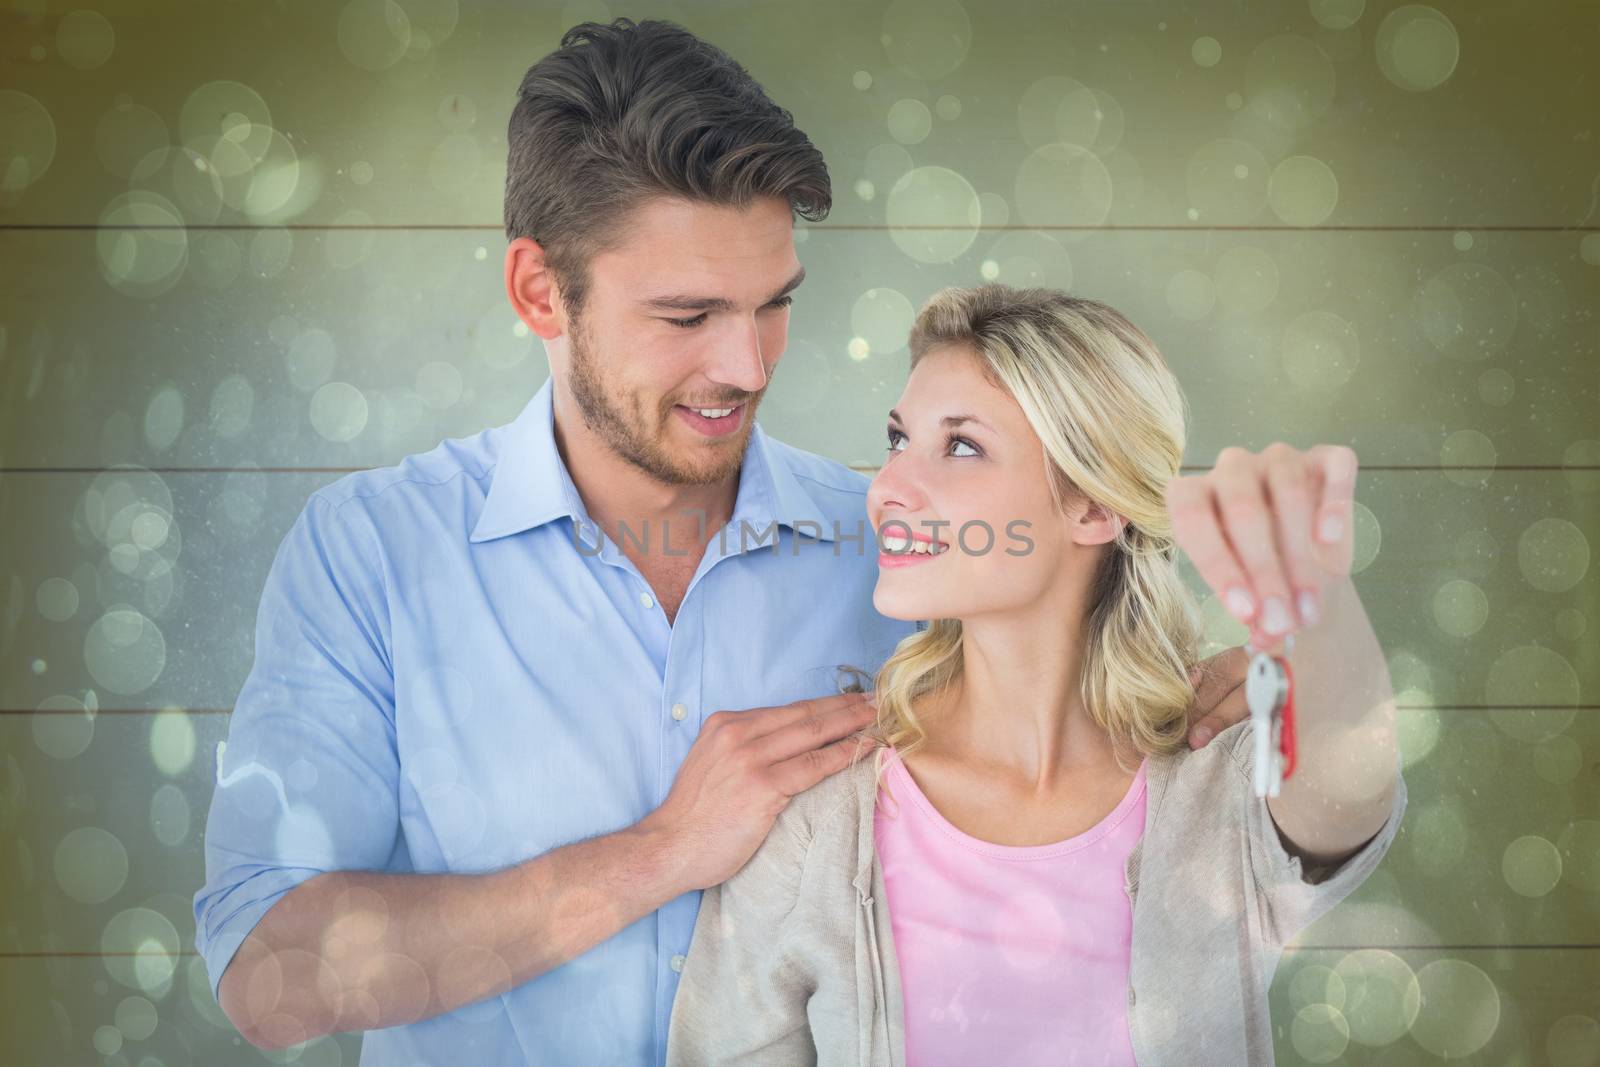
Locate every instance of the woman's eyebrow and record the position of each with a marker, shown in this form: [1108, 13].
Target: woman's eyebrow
[948, 420]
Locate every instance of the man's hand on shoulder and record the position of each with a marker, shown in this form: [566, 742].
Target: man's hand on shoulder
[1219, 695]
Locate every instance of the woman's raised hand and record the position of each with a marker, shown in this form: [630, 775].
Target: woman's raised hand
[1269, 531]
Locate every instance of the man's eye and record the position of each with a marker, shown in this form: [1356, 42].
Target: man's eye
[782, 302]
[688, 324]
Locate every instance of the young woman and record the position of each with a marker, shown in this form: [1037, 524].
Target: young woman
[1034, 867]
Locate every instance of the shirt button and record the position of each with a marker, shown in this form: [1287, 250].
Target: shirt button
[646, 600]
[679, 711]
[677, 962]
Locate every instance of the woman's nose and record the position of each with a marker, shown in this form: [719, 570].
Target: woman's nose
[896, 486]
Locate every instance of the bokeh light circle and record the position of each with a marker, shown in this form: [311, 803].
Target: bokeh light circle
[85, 39]
[1025, 258]
[910, 121]
[1460, 1009]
[1337, 14]
[339, 411]
[1303, 191]
[169, 815]
[57, 599]
[142, 245]
[124, 651]
[1579, 845]
[1319, 1033]
[926, 39]
[140, 948]
[1090, 118]
[882, 317]
[1532, 693]
[1467, 310]
[1063, 185]
[1041, 104]
[1553, 555]
[1289, 81]
[91, 865]
[943, 201]
[1574, 1041]
[63, 727]
[1417, 47]
[1368, 535]
[1531, 866]
[1460, 608]
[1206, 51]
[1469, 458]
[27, 142]
[373, 34]
[1382, 996]
[1496, 387]
[131, 141]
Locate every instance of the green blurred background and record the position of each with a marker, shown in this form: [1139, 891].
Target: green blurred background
[246, 248]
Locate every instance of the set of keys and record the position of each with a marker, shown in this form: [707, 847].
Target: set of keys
[1269, 694]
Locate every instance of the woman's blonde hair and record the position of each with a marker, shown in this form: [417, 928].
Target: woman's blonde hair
[1112, 422]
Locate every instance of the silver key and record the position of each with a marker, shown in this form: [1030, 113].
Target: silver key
[1265, 688]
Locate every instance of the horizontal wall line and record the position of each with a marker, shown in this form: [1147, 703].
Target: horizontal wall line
[1580, 946]
[229, 710]
[848, 227]
[1475, 947]
[1192, 468]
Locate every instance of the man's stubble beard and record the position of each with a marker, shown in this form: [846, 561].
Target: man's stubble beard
[632, 435]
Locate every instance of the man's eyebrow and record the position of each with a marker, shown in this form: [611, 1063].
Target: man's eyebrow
[948, 420]
[717, 303]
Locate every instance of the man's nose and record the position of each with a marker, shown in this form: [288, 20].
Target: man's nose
[740, 361]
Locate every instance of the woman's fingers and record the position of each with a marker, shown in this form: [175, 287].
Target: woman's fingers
[1335, 507]
[1295, 485]
[1249, 527]
[1198, 530]
[1267, 531]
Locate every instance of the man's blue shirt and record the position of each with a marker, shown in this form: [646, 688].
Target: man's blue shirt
[450, 678]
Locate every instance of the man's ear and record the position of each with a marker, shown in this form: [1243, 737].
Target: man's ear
[532, 288]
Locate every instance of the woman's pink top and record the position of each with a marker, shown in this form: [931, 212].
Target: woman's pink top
[1008, 954]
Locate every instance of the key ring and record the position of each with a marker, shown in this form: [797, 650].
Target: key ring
[1269, 694]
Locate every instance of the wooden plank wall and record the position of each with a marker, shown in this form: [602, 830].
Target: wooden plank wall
[1341, 220]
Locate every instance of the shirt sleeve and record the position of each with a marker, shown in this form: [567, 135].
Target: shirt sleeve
[307, 779]
[1291, 893]
[742, 998]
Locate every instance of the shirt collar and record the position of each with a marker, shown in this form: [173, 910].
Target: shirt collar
[531, 485]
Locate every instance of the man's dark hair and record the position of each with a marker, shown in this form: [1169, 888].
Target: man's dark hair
[626, 111]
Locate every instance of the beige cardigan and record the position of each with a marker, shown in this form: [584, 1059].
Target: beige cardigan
[792, 959]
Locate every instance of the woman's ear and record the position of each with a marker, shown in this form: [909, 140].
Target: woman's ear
[1097, 525]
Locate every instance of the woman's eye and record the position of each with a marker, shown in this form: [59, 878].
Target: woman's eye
[895, 437]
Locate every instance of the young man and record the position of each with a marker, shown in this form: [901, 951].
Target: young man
[482, 766]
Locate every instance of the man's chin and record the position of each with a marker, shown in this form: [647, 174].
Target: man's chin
[699, 460]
